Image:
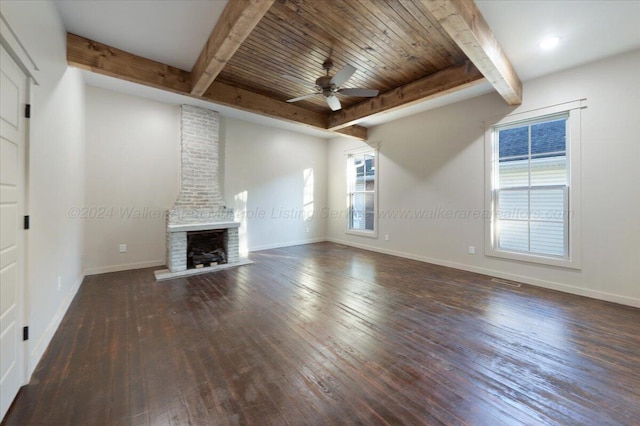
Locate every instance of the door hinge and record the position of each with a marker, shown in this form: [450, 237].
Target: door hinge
[25, 333]
[26, 222]
[27, 111]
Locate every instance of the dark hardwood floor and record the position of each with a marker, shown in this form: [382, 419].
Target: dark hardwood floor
[324, 334]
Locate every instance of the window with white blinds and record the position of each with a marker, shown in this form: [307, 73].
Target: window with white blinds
[531, 187]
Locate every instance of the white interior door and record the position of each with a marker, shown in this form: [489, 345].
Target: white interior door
[13, 95]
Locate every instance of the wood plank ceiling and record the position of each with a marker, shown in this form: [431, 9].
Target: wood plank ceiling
[409, 50]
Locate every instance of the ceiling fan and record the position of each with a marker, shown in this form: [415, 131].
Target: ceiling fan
[328, 86]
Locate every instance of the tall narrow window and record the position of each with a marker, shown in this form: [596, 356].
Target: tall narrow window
[531, 187]
[362, 187]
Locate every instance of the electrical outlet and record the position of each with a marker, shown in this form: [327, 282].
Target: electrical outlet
[386, 237]
[307, 229]
[59, 282]
[472, 249]
[123, 248]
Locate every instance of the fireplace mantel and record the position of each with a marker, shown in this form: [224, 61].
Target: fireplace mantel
[202, 226]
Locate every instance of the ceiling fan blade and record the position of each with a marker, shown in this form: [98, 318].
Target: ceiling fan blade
[299, 80]
[343, 75]
[299, 98]
[334, 103]
[363, 93]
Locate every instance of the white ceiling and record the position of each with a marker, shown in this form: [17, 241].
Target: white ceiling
[174, 32]
[588, 31]
[169, 31]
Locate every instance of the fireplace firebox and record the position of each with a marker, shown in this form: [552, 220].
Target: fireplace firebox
[206, 248]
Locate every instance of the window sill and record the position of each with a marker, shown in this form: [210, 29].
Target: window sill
[368, 234]
[532, 258]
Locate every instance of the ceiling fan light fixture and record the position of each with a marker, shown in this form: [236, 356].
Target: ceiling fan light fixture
[329, 86]
[333, 102]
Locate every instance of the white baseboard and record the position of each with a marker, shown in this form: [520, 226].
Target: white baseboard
[594, 294]
[40, 347]
[124, 267]
[288, 244]
[154, 263]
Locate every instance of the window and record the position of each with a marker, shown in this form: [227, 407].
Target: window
[531, 187]
[362, 192]
[533, 176]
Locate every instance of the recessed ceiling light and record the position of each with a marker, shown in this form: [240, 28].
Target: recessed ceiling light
[549, 43]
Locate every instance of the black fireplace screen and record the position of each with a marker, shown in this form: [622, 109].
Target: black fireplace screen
[206, 248]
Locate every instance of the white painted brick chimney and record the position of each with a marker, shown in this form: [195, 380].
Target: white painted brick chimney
[200, 205]
[200, 199]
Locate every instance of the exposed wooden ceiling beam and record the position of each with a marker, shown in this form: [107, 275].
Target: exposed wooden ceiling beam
[446, 81]
[464, 23]
[103, 59]
[355, 132]
[237, 21]
[246, 100]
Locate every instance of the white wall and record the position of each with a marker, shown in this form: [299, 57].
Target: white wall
[132, 176]
[133, 164]
[265, 171]
[435, 160]
[56, 172]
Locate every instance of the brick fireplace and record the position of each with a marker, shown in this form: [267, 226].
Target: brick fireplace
[200, 206]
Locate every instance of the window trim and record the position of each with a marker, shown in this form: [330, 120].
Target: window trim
[375, 149]
[574, 190]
